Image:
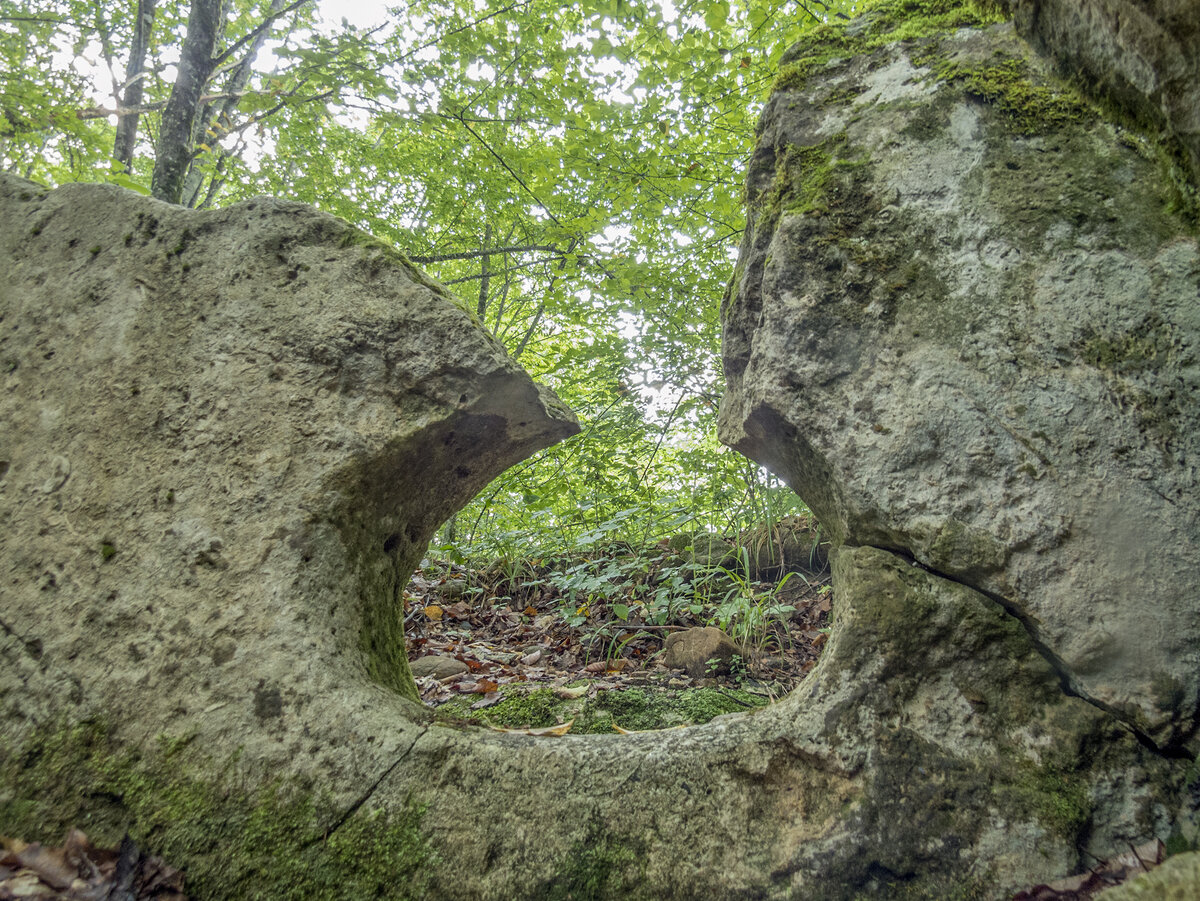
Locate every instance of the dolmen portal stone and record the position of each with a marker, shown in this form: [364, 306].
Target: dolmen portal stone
[964, 327]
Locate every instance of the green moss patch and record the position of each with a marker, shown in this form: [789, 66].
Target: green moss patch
[603, 864]
[279, 840]
[882, 23]
[1149, 345]
[1027, 107]
[632, 709]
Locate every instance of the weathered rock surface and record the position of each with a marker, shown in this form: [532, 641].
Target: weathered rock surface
[700, 652]
[220, 461]
[965, 328]
[1143, 55]
[248, 407]
[437, 666]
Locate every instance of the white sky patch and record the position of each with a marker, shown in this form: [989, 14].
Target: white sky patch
[480, 71]
[615, 239]
[363, 13]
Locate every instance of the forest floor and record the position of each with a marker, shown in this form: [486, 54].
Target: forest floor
[582, 628]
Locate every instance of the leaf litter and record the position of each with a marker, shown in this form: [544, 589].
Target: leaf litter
[77, 871]
[526, 631]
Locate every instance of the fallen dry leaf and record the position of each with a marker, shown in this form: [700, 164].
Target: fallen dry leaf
[560, 729]
[1113, 871]
[568, 694]
[79, 872]
[49, 863]
[617, 728]
[492, 697]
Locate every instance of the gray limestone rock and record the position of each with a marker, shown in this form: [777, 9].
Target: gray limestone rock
[964, 327]
[227, 439]
[1143, 55]
[437, 666]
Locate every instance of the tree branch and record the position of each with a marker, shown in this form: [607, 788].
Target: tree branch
[475, 254]
[131, 96]
[173, 152]
[466, 27]
[485, 274]
[528, 190]
[257, 32]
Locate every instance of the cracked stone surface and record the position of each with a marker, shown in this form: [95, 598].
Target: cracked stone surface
[970, 335]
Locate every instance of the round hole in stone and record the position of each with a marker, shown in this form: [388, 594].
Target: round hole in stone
[592, 660]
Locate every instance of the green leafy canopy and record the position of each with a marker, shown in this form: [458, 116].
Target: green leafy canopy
[572, 170]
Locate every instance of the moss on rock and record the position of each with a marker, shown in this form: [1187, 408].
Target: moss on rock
[881, 23]
[277, 840]
[1176, 879]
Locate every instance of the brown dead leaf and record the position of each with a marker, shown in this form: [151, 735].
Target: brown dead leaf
[50, 864]
[617, 728]
[569, 694]
[1114, 871]
[79, 872]
[560, 729]
[530, 611]
[488, 700]
[26, 884]
[597, 666]
[532, 658]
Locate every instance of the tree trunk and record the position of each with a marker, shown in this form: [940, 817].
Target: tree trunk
[175, 144]
[220, 111]
[131, 95]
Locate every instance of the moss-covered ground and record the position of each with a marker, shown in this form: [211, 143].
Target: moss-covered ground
[631, 709]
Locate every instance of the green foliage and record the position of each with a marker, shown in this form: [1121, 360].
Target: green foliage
[577, 183]
[748, 610]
